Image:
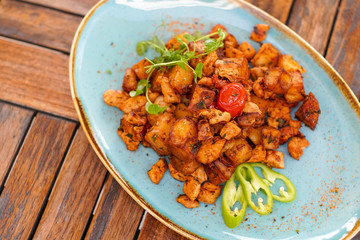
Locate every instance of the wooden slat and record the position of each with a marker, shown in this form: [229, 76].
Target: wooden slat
[117, 215]
[312, 20]
[37, 24]
[343, 52]
[277, 8]
[13, 123]
[35, 77]
[74, 194]
[32, 174]
[153, 229]
[81, 7]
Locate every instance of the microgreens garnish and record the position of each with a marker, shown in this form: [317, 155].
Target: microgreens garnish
[171, 57]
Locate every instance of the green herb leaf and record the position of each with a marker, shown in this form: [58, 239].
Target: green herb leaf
[198, 69]
[182, 65]
[189, 37]
[141, 48]
[153, 108]
[197, 35]
[141, 88]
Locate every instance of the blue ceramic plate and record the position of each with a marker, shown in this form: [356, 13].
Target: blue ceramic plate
[327, 176]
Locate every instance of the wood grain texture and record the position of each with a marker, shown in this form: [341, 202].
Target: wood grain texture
[277, 8]
[32, 174]
[153, 229]
[75, 192]
[13, 123]
[343, 52]
[37, 24]
[312, 20]
[117, 215]
[35, 77]
[81, 7]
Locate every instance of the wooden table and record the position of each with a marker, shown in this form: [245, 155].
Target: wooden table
[52, 184]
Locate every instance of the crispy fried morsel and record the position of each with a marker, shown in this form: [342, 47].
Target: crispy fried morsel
[277, 80]
[134, 104]
[237, 150]
[271, 137]
[202, 98]
[272, 122]
[275, 159]
[199, 49]
[184, 166]
[233, 69]
[170, 96]
[296, 146]
[207, 82]
[182, 111]
[158, 134]
[129, 80]
[230, 41]
[174, 43]
[130, 134]
[181, 80]
[309, 111]
[215, 29]
[257, 72]
[204, 130]
[216, 128]
[280, 114]
[161, 102]
[210, 150]
[289, 64]
[200, 174]
[263, 105]
[258, 87]
[153, 95]
[115, 98]
[295, 124]
[208, 65]
[251, 113]
[231, 52]
[135, 119]
[191, 187]
[213, 115]
[266, 56]
[288, 132]
[176, 174]
[259, 32]
[258, 154]
[224, 166]
[230, 130]
[247, 49]
[296, 92]
[186, 201]
[219, 83]
[214, 174]
[156, 79]
[254, 134]
[140, 70]
[209, 193]
[157, 171]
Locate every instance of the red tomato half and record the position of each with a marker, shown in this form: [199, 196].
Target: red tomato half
[232, 99]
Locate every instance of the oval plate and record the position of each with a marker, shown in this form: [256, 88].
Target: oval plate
[327, 176]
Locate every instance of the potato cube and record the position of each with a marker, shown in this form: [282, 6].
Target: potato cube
[210, 150]
[187, 202]
[259, 32]
[209, 193]
[296, 147]
[230, 130]
[275, 159]
[157, 171]
[271, 137]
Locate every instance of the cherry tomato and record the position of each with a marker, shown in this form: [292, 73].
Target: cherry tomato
[232, 99]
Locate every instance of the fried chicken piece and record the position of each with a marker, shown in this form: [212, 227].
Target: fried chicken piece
[309, 111]
[187, 202]
[259, 32]
[296, 147]
[157, 171]
[209, 193]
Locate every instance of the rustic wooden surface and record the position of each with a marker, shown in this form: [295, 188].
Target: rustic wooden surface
[52, 186]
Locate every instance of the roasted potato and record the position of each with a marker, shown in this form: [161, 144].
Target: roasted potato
[259, 32]
[208, 64]
[199, 174]
[231, 52]
[157, 171]
[129, 80]
[140, 70]
[180, 79]
[271, 137]
[209, 193]
[174, 43]
[184, 166]
[275, 159]
[158, 135]
[210, 150]
[134, 104]
[187, 202]
[267, 56]
[115, 98]
[204, 130]
[309, 111]
[237, 150]
[191, 187]
[176, 174]
[213, 115]
[182, 111]
[202, 98]
[233, 69]
[287, 63]
[170, 96]
[230, 130]
[296, 147]
[258, 154]
[247, 49]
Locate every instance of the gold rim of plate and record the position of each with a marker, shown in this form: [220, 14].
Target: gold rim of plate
[333, 74]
